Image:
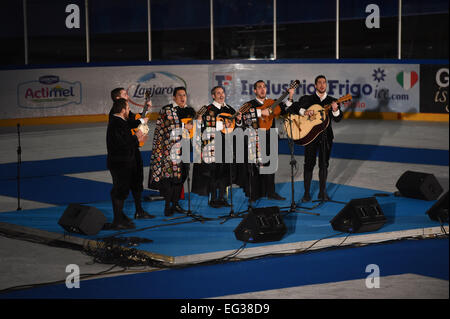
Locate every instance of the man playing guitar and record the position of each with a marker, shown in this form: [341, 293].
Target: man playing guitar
[323, 142]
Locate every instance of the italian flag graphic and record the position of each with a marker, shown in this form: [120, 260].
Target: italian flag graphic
[407, 79]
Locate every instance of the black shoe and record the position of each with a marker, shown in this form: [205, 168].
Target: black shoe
[125, 219]
[122, 225]
[152, 198]
[323, 196]
[142, 214]
[215, 203]
[306, 198]
[224, 202]
[178, 209]
[275, 196]
[168, 211]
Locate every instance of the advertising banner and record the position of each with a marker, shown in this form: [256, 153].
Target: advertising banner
[377, 88]
[434, 88]
[86, 90]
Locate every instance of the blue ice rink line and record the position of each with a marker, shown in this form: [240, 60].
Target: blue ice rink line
[73, 165]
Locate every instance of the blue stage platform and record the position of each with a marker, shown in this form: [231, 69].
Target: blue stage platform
[185, 239]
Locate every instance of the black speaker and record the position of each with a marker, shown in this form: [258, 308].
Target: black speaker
[439, 210]
[261, 225]
[419, 185]
[359, 216]
[81, 219]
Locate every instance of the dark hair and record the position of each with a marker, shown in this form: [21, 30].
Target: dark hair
[118, 105]
[217, 87]
[256, 83]
[115, 94]
[179, 88]
[319, 77]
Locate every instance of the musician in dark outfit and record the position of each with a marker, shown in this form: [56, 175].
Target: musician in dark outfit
[323, 142]
[121, 161]
[262, 185]
[167, 174]
[209, 177]
[134, 121]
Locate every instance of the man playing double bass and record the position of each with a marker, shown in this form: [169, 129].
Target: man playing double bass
[323, 142]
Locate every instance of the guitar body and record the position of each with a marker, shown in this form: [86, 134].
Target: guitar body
[143, 127]
[190, 120]
[305, 129]
[265, 122]
[229, 122]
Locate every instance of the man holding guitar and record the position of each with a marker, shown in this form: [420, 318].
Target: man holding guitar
[211, 177]
[262, 185]
[168, 175]
[122, 163]
[321, 142]
[133, 121]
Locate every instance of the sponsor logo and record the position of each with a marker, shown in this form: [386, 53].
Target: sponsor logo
[407, 79]
[160, 84]
[378, 75]
[49, 91]
[226, 80]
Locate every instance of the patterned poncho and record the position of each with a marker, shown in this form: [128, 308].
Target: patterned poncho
[162, 164]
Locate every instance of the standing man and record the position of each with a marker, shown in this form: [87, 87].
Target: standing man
[323, 142]
[209, 177]
[134, 121]
[262, 185]
[166, 174]
[121, 161]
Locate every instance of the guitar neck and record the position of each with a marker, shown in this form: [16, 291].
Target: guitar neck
[147, 99]
[201, 111]
[278, 101]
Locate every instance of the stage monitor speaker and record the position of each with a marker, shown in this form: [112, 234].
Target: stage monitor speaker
[359, 216]
[419, 185]
[439, 210]
[261, 225]
[81, 219]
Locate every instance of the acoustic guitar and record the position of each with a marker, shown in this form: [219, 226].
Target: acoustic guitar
[265, 122]
[143, 127]
[304, 129]
[229, 122]
[190, 120]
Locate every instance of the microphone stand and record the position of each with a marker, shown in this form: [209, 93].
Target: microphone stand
[232, 214]
[293, 162]
[189, 212]
[19, 162]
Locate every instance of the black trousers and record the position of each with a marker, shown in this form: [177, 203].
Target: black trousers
[126, 176]
[322, 146]
[170, 188]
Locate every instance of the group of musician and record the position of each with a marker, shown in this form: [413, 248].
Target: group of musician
[211, 176]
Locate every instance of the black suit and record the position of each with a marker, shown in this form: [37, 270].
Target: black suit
[322, 144]
[124, 158]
